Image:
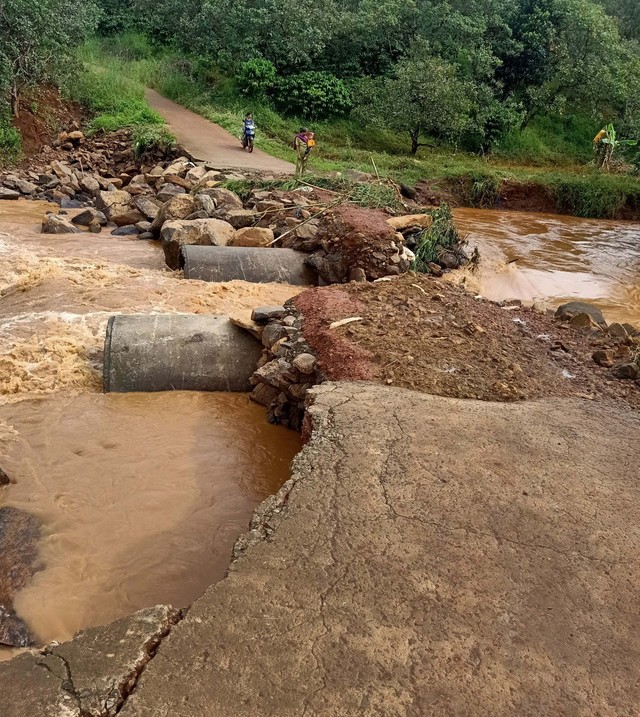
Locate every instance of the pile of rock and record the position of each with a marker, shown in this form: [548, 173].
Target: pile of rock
[287, 369]
[617, 346]
[75, 167]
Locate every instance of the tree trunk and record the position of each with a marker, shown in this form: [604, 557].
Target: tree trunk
[15, 100]
[415, 137]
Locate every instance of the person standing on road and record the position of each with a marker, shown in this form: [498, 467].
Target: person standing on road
[303, 144]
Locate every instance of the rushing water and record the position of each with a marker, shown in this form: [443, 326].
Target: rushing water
[141, 496]
[551, 258]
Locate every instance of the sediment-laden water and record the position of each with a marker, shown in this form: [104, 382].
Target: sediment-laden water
[553, 259]
[141, 496]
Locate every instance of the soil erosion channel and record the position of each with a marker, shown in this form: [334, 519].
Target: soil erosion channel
[141, 496]
[546, 257]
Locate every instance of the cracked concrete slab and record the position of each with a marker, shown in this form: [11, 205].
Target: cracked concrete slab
[430, 556]
[90, 676]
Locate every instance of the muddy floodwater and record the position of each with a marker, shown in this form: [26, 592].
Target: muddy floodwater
[553, 259]
[141, 496]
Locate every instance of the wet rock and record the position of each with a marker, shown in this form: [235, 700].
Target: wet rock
[629, 371]
[604, 358]
[177, 208]
[567, 311]
[55, 224]
[94, 226]
[130, 230]
[252, 237]
[203, 232]
[88, 216]
[448, 260]
[617, 331]
[116, 206]
[147, 236]
[8, 193]
[264, 394]
[147, 207]
[19, 535]
[170, 190]
[266, 313]
[305, 363]
[4, 478]
[582, 322]
[278, 373]
[224, 198]
[240, 218]
[631, 330]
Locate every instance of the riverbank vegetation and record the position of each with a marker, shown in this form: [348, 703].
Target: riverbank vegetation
[469, 97]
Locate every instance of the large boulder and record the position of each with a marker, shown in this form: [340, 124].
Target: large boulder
[147, 206]
[169, 190]
[8, 193]
[202, 232]
[178, 207]
[224, 198]
[89, 216]
[55, 224]
[568, 311]
[252, 236]
[116, 206]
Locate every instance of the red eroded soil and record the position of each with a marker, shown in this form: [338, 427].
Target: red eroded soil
[426, 334]
[339, 359]
[43, 115]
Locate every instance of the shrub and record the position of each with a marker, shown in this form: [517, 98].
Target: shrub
[149, 139]
[10, 141]
[313, 95]
[256, 77]
[442, 234]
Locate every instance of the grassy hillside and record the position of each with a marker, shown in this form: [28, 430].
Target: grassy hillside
[553, 157]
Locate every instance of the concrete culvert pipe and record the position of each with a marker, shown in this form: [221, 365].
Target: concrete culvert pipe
[178, 352]
[257, 265]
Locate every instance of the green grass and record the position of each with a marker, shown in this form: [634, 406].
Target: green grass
[115, 100]
[441, 235]
[553, 153]
[10, 142]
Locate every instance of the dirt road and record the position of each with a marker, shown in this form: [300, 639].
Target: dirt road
[209, 142]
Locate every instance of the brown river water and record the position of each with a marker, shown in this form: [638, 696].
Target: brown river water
[141, 496]
[553, 259]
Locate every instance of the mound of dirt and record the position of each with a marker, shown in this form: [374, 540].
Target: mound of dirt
[425, 334]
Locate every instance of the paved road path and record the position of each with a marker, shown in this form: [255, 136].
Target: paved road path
[209, 142]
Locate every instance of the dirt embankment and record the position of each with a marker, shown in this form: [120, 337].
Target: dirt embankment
[523, 196]
[43, 116]
[425, 334]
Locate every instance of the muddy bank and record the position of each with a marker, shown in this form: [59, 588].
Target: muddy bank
[569, 196]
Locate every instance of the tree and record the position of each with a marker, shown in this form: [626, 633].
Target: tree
[423, 97]
[37, 39]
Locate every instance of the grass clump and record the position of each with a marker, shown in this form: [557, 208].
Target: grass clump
[595, 195]
[150, 139]
[442, 235]
[10, 142]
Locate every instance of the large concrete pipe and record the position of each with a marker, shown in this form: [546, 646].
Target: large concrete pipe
[182, 352]
[257, 265]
